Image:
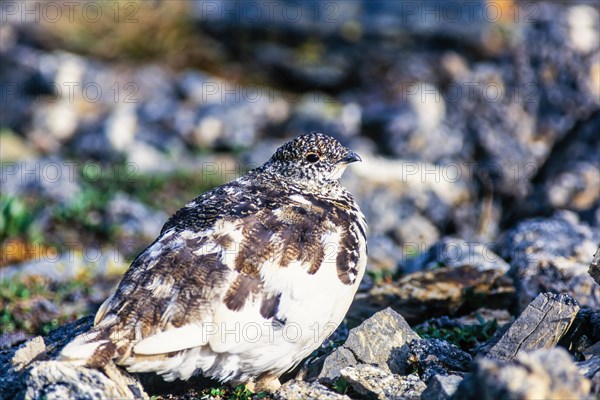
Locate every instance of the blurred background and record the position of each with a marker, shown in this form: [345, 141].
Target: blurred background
[472, 117]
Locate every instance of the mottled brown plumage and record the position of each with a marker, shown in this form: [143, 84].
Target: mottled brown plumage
[284, 245]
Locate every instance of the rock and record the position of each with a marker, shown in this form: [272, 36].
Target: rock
[570, 179]
[542, 374]
[372, 381]
[484, 315]
[52, 178]
[571, 95]
[552, 255]
[383, 253]
[454, 252]
[591, 369]
[335, 362]
[433, 357]
[294, 389]
[391, 190]
[594, 269]
[314, 365]
[540, 326]
[441, 387]
[60, 380]
[529, 109]
[472, 332]
[582, 334]
[381, 340]
[9, 339]
[14, 148]
[29, 372]
[416, 229]
[226, 115]
[69, 265]
[591, 351]
[418, 127]
[322, 113]
[134, 218]
[27, 353]
[444, 291]
[446, 279]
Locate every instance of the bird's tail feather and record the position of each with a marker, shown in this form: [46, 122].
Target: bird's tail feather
[91, 349]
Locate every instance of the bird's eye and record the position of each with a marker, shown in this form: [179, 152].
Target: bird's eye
[312, 157]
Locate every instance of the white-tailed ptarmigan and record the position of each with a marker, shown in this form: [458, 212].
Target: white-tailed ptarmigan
[243, 282]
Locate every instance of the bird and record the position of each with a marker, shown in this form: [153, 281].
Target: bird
[245, 281]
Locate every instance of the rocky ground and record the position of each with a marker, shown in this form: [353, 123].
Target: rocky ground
[479, 130]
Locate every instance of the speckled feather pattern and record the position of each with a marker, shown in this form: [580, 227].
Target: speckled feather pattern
[283, 246]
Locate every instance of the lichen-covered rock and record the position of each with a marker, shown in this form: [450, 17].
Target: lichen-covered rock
[541, 325]
[30, 372]
[542, 374]
[339, 359]
[444, 291]
[294, 390]
[433, 357]
[381, 340]
[552, 255]
[441, 387]
[372, 381]
[55, 380]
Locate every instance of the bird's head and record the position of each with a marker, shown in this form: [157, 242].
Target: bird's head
[311, 161]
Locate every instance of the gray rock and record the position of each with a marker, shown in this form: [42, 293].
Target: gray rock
[441, 387]
[9, 339]
[294, 390]
[383, 253]
[55, 380]
[594, 269]
[591, 369]
[552, 255]
[335, 362]
[52, 179]
[571, 176]
[454, 252]
[372, 381]
[433, 357]
[30, 373]
[134, 218]
[416, 228]
[516, 130]
[540, 326]
[389, 191]
[542, 374]
[67, 266]
[381, 340]
[443, 291]
[583, 337]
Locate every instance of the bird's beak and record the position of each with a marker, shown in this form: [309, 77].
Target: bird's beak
[351, 157]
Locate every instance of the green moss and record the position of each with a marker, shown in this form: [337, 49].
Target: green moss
[340, 385]
[23, 304]
[214, 392]
[241, 393]
[464, 336]
[379, 276]
[17, 218]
